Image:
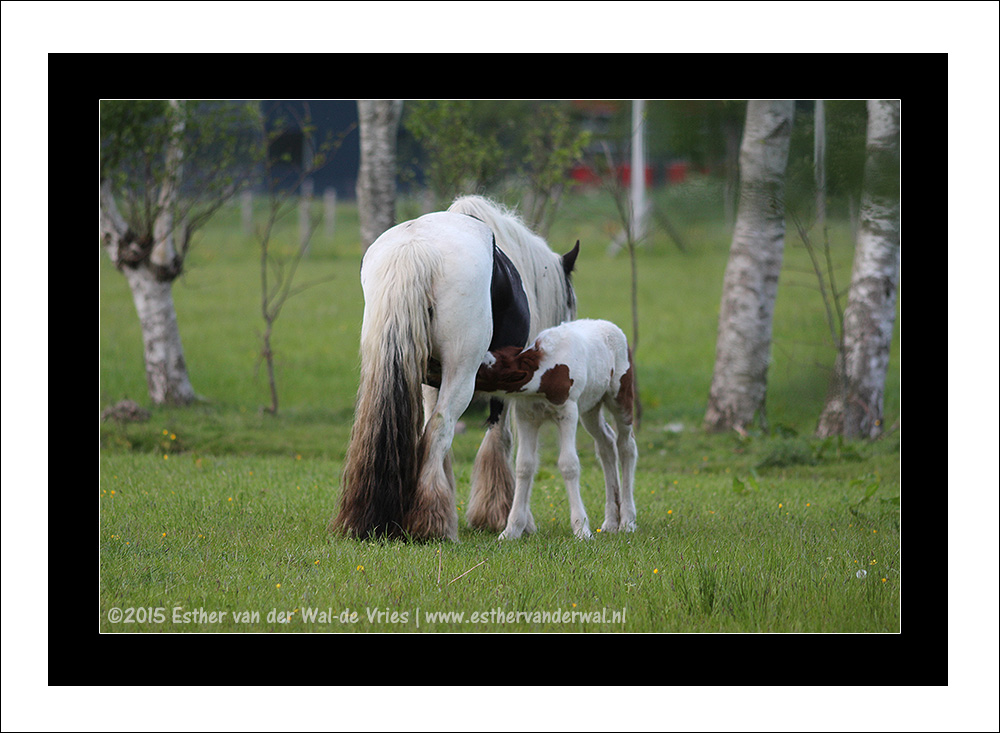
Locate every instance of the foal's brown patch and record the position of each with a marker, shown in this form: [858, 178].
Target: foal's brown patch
[555, 384]
[513, 369]
[626, 391]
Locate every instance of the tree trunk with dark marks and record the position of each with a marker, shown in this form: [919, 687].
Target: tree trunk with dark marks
[150, 267]
[855, 403]
[149, 148]
[743, 346]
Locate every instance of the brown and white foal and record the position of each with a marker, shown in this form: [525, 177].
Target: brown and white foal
[568, 375]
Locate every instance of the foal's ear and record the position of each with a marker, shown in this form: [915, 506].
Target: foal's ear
[569, 259]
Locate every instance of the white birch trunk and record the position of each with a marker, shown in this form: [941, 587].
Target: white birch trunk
[855, 404]
[376, 189]
[743, 346]
[166, 372]
[164, 253]
[150, 264]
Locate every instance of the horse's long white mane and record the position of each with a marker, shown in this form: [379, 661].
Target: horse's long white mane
[540, 268]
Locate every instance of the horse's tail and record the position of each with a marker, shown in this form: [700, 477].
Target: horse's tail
[383, 460]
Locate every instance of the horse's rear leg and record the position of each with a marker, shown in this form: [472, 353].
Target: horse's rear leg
[433, 512]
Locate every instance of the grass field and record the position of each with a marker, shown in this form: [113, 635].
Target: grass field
[213, 517]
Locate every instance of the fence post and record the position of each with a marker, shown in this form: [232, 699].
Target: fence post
[330, 211]
[638, 182]
[305, 202]
[246, 211]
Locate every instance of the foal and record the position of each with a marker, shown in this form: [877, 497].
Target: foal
[570, 372]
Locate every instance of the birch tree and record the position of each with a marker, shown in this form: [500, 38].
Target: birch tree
[855, 402]
[743, 345]
[150, 267]
[145, 221]
[376, 188]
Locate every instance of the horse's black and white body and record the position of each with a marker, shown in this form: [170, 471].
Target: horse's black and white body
[440, 291]
[568, 375]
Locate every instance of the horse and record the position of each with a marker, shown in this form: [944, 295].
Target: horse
[568, 375]
[440, 291]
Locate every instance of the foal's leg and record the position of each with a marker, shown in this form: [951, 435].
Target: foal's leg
[628, 455]
[604, 442]
[567, 419]
[519, 520]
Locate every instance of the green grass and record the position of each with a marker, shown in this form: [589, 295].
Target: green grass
[223, 507]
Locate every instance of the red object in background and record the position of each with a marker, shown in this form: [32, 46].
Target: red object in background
[585, 174]
[677, 172]
[625, 175]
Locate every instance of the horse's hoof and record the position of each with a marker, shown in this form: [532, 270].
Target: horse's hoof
[510, 533]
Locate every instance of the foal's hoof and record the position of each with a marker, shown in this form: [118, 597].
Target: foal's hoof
[619, 526]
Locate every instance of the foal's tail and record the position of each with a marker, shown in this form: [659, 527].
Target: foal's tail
[383, 461]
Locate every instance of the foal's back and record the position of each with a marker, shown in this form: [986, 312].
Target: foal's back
[596, 354]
